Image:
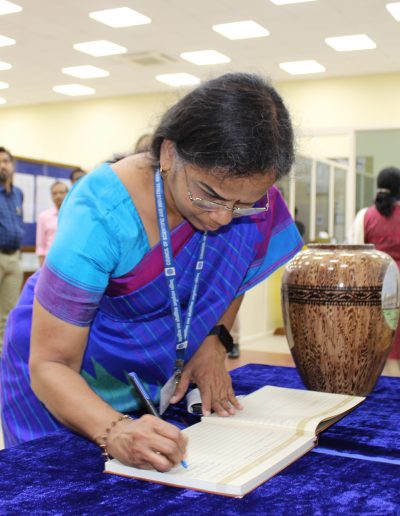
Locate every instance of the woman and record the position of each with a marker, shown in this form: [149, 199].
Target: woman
[380, 224]
[102, 302]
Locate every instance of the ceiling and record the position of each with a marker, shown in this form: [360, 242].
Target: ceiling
[45, 31]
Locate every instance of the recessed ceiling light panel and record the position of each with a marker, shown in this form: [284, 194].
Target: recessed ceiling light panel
[2, 101]
[3, 85]
[6, 42]
[205, 57]
[178, 79]
[9, 7]
[4, 65]
[74, 89]
[349, 43]
[302, 67]
[394, 9]
[85, 72]
[241, 30]
[120, 17]
[284, 2]
[100, 48]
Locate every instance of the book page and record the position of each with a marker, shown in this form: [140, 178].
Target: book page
[220, 455]
[297, 409]
[219, 452]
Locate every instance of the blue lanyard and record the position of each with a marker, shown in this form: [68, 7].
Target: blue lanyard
[181, 328]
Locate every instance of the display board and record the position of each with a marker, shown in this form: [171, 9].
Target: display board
[35, 179]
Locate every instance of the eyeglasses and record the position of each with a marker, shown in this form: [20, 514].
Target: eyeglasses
[217, 206]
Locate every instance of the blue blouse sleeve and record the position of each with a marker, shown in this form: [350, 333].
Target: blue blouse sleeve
[99, 236]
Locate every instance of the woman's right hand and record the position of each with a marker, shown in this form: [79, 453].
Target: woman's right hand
[147, 442]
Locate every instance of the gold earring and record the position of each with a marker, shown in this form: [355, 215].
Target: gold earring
[164, 173]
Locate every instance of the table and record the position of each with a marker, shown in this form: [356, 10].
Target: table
[354, 470]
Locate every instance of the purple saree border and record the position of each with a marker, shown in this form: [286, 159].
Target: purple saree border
[82, 308]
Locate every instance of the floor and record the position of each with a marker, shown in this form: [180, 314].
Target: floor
[275, 351]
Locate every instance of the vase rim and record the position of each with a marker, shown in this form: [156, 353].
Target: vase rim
[348, 247]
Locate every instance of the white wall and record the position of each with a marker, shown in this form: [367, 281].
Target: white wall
[80, 132]
[87, 131]
[362, 101]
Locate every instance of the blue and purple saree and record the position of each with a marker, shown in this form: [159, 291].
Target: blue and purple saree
[124, 298]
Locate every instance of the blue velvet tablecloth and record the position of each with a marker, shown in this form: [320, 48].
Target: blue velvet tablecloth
[354, 470]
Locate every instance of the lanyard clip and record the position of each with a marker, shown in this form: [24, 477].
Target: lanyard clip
[178, 369]
[179, 363]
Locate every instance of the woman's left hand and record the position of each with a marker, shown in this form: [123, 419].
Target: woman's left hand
[207, 370]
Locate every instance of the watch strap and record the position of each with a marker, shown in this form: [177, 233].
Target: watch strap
[224, 336]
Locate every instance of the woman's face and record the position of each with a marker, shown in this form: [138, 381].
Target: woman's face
[186, 182]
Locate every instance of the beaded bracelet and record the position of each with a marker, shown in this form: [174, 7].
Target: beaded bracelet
[102, 440]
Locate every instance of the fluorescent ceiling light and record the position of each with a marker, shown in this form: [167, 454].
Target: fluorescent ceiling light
[178, 79]
[120, 17]
[9, 7]
[394, 9]
[4, 65]
[205, 57]
[302, 67]
[99, 48]
[348, 43]
[3, 85]
[6, 42]
[85, 72]
[284, 2]
[2, 101]
[241, 30]
[73, 89]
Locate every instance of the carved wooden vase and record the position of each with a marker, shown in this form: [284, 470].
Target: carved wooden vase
[341, 306]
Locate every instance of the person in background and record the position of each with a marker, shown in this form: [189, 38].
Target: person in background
[76, 174]
[380, 225]
[47, 221]
[300, 225]
[146, 273]
[11, 234]
[143, 144]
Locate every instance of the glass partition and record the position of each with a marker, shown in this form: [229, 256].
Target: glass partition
[375, 150]
[322, 201]
[339, 214]
[302, 178]
[316, 192]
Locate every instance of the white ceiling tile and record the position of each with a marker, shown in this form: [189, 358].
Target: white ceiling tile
[45, 31]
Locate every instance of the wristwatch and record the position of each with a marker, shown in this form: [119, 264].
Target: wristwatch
[224, 336]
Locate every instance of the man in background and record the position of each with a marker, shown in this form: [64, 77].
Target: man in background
[48, 221]
[143, 144]
[11, 233]
[76, 174]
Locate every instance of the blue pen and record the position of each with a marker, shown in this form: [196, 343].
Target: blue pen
[146, 401]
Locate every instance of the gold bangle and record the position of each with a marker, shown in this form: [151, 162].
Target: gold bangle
[102, 441]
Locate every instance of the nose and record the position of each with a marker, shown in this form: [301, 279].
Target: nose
[221, 217]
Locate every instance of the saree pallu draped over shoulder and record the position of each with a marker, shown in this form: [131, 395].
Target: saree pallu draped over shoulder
[133, 329]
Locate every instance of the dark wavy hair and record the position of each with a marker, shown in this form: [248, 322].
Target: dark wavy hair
[236, 124]
[6, 151]
[389, 183]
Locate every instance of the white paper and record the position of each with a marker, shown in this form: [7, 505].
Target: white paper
[27, 184]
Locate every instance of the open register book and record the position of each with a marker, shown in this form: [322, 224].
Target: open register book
[232, 456]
